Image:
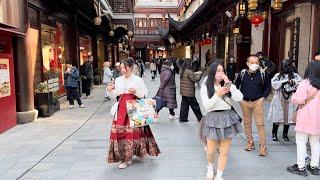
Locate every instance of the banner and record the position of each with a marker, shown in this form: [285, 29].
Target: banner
[5, 89]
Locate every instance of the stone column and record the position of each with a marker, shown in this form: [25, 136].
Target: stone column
[23, 71]
[304, 12]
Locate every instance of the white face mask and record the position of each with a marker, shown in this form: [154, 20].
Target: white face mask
[254, 67]
[172, 67]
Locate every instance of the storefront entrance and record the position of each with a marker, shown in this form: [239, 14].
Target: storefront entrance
[8, 117]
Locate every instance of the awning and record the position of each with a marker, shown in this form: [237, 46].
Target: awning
[181, 25]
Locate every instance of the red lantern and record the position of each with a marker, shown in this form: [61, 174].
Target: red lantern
[256, 20]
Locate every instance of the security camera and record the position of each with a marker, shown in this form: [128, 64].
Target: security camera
[228, 13]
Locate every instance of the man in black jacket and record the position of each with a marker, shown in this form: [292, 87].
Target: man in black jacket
[255, 86]
[87, 76]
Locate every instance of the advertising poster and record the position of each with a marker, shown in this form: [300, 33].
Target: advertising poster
[4, 78]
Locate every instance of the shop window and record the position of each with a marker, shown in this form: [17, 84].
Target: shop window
[8, 12]
[53, 55]
[33, 18]
[85, 47]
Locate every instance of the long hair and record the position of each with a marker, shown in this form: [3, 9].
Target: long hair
[312, 73]
[212, 77]
[287, 68]
[187, 64]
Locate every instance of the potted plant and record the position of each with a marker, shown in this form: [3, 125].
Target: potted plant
[46, 100]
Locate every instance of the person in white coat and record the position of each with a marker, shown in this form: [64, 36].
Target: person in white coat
[220, 123]
[107, 76]
[281, 109]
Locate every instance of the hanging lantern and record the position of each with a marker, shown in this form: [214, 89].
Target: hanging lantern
[97, 21]
[264, 14]
[111, 33]
[277, 4]
[251, 14]
[236, 31]
[130, 33]
[256, 20]
[241, 8]
[252, 4]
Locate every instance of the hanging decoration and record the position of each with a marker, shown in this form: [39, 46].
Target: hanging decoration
[251, 14]
[256, 20]
[277, 4]
[241, 8]
[252, 4]
[264, 14]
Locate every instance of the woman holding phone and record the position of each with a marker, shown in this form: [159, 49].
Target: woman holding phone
[220, 123]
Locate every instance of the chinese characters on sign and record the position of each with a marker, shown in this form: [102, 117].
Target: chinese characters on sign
[4, 78]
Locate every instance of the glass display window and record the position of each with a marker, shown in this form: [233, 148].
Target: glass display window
[85, 47]
[53, 53]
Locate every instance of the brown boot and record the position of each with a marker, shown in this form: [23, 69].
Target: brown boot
[263, 150]
[250, 146]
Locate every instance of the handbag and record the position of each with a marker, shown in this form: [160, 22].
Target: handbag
[160, 103]
[295, 113]
[232, 108]
[141, 112]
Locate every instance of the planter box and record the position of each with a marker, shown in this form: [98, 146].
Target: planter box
[46, 104]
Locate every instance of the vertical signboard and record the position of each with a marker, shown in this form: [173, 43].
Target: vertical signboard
[5, 89]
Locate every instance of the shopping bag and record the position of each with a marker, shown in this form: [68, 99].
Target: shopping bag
[141, 112]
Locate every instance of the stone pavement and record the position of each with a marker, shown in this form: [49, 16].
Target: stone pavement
[72, 145]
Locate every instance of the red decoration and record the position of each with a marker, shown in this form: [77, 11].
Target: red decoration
[205, 42]
[256, 20]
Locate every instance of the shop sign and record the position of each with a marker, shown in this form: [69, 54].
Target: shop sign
[5, 88]
[53, 84]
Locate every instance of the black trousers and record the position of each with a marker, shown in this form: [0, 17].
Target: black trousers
[86, 86]
[184, 108]
[73, 94]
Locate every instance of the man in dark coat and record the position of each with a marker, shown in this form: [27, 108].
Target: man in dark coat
[167, 89]
[87, 76]
[231, 69]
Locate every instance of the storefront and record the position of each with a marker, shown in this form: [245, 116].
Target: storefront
[85, 47]
[47, 47]
[8, 29]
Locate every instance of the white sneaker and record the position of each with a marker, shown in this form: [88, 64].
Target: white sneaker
[71, 106]
[89, 97]
[171, 117]
[216, 178]
[210, 173]
[124, 165]
[82, 106]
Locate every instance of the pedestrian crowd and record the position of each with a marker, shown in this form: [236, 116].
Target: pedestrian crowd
[295, 101]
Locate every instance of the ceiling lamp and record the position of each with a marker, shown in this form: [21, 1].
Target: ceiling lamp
[277, 4]
[252, 4]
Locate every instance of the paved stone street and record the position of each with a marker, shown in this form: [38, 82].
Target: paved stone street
[72, 145]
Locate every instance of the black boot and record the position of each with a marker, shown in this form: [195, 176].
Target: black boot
[275, 132]
[285, 132]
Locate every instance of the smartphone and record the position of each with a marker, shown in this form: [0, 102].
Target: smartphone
[227, 85]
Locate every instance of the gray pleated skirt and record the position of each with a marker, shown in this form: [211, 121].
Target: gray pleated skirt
[220, 125]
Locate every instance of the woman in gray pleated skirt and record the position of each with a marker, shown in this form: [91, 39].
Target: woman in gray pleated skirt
[220, 123]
